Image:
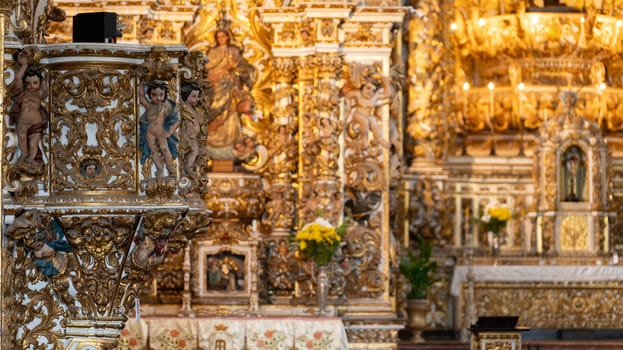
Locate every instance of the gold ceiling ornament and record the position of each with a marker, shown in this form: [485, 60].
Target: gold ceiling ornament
[512, 59]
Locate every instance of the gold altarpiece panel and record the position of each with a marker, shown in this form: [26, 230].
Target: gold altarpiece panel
[542, 305]
[341, 171]
[469, 145]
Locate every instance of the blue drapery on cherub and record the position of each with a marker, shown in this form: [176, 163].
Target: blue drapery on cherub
[58, 244]
[172, 140]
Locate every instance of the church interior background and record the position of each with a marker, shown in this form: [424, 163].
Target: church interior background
[400, 118]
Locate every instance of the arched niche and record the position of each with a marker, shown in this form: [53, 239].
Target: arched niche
[573, 175]
[571, 167]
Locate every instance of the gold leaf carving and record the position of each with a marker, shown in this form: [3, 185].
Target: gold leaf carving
[92, 114]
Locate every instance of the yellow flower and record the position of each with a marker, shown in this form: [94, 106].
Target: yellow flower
[318, 240]
[500, 213]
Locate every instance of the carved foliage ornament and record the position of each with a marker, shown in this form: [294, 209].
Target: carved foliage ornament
[92, 116]
[105, 260]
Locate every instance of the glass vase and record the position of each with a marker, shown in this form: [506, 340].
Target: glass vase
[494, 242]
[322, 289]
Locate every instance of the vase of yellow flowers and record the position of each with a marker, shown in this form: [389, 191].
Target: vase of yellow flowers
[319, 241]
[493, 221]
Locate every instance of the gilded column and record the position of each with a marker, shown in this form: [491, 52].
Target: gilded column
[327, 129]
[424, 122]
[307, 153]
[5, 7]
[283, 151]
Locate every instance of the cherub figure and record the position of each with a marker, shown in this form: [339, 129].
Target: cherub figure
[28, 114]
[362, 102]
[158, 125]
[43, 236]
[191, 125]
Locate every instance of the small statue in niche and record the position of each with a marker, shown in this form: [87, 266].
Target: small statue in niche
[158, 125]
[366, 91]
[191, 126]
[28, 113]
[574, 174]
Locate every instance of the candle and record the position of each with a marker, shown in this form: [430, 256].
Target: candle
[254, 224]
[606, 234]
[465, 97]
[137, 309]
[539, 236]
[491, 86]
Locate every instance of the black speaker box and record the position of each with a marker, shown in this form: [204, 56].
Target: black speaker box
[95, 27]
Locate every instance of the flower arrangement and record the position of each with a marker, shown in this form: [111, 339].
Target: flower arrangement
[494, 218]
[319, 240]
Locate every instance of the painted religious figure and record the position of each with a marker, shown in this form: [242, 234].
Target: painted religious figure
[225, 272]
[27, 112]
[158, 125]
[231, 78]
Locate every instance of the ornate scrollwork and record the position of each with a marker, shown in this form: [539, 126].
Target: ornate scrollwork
[282, 268]
[41, 258]
[572, 305]
[92, 115]
[362, 260]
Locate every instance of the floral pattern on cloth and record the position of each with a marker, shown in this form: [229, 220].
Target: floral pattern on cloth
[254, 333]
[273, 335]
[269, 340]
[173, 335]
[318, 340]
[319, 335]
[133, 336]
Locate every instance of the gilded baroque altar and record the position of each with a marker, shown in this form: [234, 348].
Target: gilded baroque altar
[172, 168]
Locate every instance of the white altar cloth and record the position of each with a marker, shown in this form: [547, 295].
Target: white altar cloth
[236, 333]
[535, 273]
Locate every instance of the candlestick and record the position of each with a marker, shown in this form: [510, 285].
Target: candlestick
[491, 86]
[466, 226]
[606, 234]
